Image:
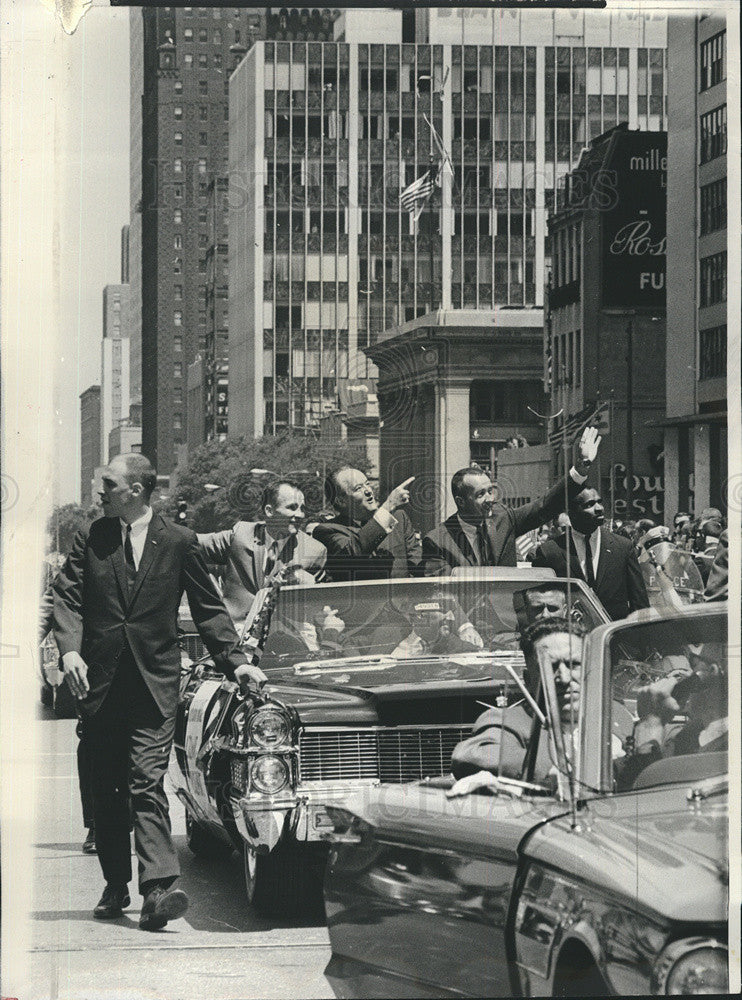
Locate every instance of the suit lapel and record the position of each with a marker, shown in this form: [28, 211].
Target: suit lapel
[117, 557]
[257, 554]
[604, 557]
[460, 540]
[156, 526]
[574, 560]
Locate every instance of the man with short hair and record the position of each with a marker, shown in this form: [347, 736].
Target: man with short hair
[367, 540]
[254, 553]
[483, 531]
[606, 562]
[115, 622]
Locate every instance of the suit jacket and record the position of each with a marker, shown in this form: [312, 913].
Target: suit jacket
[717, 585]
[447, 546]
[498, 743]
[96, 616]
[368, 552]
[242, 551]
[619, 583]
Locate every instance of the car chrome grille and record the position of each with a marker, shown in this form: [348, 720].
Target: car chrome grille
[405, 753]
[192, 644]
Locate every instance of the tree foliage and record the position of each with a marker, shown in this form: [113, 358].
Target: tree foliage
[66, 521]
[227, 465]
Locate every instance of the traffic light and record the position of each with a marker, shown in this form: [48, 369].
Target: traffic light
[182, 514]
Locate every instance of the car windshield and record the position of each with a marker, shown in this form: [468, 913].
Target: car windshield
[669, 700]
[406, 619]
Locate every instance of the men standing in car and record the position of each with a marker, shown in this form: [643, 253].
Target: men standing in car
[254, 553]
[483, 531]
[115, 611]
[366, 540]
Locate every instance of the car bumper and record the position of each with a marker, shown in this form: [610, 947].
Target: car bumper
[301, 815]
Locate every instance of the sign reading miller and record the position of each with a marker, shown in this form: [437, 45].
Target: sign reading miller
[635, 226]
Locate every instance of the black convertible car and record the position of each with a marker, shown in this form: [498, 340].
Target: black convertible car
[369, 684]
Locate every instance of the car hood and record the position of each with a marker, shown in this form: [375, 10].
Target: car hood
[666, 851]
[354, 687]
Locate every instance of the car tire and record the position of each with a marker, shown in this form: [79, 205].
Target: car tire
[202, 843]
[288, 881]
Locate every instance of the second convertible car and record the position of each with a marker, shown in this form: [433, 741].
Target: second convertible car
[604, 875]
[368, 684]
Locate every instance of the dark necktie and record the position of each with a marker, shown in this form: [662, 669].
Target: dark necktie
[483, 540]
[131, 569]
[589, 572]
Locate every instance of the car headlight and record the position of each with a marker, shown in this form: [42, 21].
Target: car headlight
[691, 967]
[269, 774]
[268, 728]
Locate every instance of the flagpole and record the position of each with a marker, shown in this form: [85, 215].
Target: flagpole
[613, 465]
[430, 227]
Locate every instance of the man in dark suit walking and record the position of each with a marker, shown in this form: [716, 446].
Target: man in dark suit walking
[482, 532]
[115, 613]
[366, 540]
[606, 562]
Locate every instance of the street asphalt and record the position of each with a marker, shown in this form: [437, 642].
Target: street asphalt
[219, 951]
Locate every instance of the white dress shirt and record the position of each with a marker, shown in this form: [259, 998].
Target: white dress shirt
[579, 540]
[138, 534]
[713, 731]
[470, 530]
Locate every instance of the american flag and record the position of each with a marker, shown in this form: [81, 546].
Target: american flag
[575, 425]
[414, 196]
[525, 543]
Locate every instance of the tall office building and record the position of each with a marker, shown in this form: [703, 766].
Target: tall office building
[181, 59]
[90, 442]
[216, 354]
[114, 386]
[696, 423]
[325, 136]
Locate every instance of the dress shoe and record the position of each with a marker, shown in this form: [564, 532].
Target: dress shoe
[161, 905]
[112, 902]
[88, 845]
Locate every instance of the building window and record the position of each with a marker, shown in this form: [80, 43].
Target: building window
[178, 241]
[178, 138]
[177, 343]
[203, 86]
[203, 60]
[714, 134]
[714, 206]
[203, 112]
[178, 369]
[177, 190]
[177, 318]
[203, 35]
[178, 293]
[202, 266]
[713, 279]
[713, 351]
[188, 34]
[202, 240]
[177, 265]
[203, 138]
[202, 165]
[178, 166]
[202, 216]
[178, 111]
[713, 60]
[177, 422]
[188, 59]
[178, 216]
[217, 60]
[178, 86]
[177, 395]
[217, 37]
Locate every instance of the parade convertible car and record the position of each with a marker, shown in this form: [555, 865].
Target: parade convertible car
[611, 881]
[369, 683]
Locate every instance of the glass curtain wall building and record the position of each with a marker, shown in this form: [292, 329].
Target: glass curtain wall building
[325, 136]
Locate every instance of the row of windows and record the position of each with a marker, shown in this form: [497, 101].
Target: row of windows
[178, 216]
[567, 359]
[714, 206]
[203, 112]
[713, 352]
[178, 165]
[713, 279]
[203, 35]
[713, 68]
[567, 255]
[178, 265]
[714, 133]
[203, 138]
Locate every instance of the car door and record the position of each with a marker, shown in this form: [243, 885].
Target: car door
[423, 897]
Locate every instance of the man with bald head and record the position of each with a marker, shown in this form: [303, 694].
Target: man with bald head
[115, 620]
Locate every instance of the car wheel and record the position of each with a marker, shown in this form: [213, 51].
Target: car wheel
[577, 975]
[286, 881]
[202, 843]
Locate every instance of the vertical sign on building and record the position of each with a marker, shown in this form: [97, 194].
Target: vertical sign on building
[634, 228]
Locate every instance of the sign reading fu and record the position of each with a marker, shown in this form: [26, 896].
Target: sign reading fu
[635, 225]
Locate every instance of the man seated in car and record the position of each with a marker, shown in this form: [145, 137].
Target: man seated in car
[695, 686]
[500, 736]
[439, 627]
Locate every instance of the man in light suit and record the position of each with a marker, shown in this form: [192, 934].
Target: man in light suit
[483, 531]
[253, 553]
[606, 562]
[115, 622]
